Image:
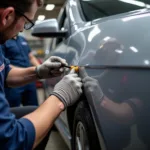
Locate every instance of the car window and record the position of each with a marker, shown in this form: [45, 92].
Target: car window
[103, 8]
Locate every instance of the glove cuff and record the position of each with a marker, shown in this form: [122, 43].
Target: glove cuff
[60, 98]
[37, 72]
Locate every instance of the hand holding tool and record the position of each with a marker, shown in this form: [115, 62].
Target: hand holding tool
[76, 68]
[68, 90]
[52, 67]
[80, 70]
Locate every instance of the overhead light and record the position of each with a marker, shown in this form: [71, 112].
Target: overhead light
[50, 7]
[41, 17]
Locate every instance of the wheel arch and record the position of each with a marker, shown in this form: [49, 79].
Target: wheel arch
[71, 112]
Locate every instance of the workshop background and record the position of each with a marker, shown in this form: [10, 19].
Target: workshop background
[39, 46]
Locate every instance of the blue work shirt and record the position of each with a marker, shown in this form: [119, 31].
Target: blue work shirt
[15, 134]
[17, 51]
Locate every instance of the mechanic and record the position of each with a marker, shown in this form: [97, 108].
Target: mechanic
[19, 54]
[27, 132]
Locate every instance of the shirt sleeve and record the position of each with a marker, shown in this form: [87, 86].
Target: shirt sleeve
[29, 49]
[5, 48]
[6, 60]
[7, 67]
[14, 134]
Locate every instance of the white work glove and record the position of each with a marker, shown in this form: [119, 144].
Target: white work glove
[52, 67]
[68, 90]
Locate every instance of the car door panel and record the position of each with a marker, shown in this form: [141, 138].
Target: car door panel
[118, 86]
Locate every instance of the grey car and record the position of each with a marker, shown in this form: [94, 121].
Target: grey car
[112, 37]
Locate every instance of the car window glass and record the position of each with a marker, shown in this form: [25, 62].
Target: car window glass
[102, 8]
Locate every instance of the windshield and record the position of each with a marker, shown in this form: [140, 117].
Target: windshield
[94, 9]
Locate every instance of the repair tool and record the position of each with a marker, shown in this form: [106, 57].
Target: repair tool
[79, 69]
[110, 67]
[76, 68]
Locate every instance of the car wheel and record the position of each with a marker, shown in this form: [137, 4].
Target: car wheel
[84, 132]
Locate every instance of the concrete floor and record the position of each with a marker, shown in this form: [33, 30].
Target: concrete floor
[55, 140]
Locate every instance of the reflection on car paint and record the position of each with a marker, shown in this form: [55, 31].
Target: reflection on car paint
[123, 113]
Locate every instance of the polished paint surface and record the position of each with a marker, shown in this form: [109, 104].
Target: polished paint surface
[119, 40]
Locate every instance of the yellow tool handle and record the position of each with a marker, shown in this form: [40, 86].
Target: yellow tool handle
[81, 70]
[76, 68]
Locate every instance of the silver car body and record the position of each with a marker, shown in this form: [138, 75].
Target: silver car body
[121, 44]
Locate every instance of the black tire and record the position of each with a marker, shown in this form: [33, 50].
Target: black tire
[83, 123]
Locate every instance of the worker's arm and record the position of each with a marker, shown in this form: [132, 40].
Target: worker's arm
[33, 60]
[25, 132]
[65, 93]
[44, 117]
[50, 68]
[20, 76]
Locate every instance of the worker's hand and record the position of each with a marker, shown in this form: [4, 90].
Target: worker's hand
[52, 67]
[92, 89]
[68, 90]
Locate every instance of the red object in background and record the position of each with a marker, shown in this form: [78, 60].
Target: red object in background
[39, 84]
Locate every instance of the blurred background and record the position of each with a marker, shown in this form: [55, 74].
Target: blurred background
[49, 10]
